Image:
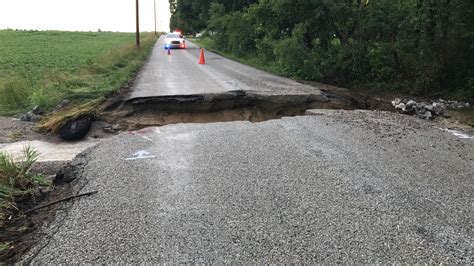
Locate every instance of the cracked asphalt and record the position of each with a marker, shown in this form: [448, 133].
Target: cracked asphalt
[332, 187]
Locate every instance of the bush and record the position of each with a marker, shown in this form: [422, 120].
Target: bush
[422, 47]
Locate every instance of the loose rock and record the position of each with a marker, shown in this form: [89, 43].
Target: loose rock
[428, 115]
[410, 103]
[401, 106]
[427, 110]
[34, 115]
[26, 117]
[37, 110]
[112, 128]
[396, 102]
[62, 104]
[71, 171]
[76, 129]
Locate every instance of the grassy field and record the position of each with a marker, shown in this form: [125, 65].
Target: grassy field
[44, 67]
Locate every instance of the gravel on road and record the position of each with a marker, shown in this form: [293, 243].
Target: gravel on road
[333, 187]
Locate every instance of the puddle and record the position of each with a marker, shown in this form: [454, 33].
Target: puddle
[464, 116]
[458, 134]
[48, 152]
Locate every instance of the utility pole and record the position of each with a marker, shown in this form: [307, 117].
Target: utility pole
[138, 25]
[156, 34]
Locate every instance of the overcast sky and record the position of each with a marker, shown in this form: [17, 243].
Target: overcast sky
[82, 15]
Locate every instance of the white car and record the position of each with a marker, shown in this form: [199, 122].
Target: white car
[174, 40]
[179, 33]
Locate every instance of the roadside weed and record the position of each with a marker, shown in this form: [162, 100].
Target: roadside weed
[16, 179]
[14, 93]
[4, 246]
[39, 96]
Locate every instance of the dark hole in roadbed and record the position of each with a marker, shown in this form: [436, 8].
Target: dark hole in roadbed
[232, 106]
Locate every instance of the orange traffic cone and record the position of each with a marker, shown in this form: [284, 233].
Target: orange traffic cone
[202, 61]
[169, 51]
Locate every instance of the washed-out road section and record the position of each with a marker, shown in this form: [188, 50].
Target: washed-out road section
[337, 186]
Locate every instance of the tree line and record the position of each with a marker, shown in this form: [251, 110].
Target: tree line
[417, 46]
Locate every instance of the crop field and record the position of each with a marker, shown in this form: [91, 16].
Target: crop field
[44, 67]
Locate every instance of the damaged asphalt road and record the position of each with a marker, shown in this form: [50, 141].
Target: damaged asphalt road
[167, 81]
[174, 89]
[338, 186]
[179, 74]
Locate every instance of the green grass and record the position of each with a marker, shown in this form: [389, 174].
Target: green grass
[16, 180]
[4, 246]
[45, 67]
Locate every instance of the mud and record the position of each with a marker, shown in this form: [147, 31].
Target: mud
[463, 116]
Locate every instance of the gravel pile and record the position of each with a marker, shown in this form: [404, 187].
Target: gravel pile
[426, 110]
